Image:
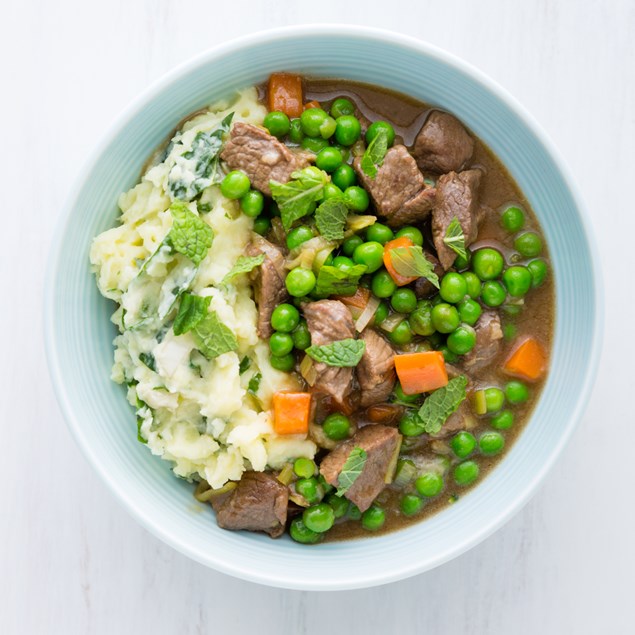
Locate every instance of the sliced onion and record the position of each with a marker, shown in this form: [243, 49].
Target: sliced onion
[307, 370]
[391, 322]
[356, 223]
[308, 252]
[367, 314]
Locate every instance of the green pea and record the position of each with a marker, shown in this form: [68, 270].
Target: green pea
[461, 263]
[370, 254]
[382, 284]
[466, 473]
[528, 245]
[285, 363]
[350, 244]
[311, 120]
[401, 334]
[448, 355]
[469, 311]
[494, 399]
[277, 123]
[421, 320]
[252, 203]
[356, 198]
[516, 392]
[344, 151]
[262, 225]
[412, 233]
[487, 263]
[319, 518]
[463, 444]
[493, 293]
[400, 395]
[473, 283]
[344, 177]
[343, 263]
[373, 518]
[235, 185]
[445, 318]
[299, 235]
[518, 280]
[342, 106]
[379, 233]
[503, 420]
[295, 131]
[462, 340]
[285, 318]
[513, 219]
[453, 287]
[337, 426]
[509, 331]
[300, 282]
[301, 336]
[403, 300]
[302, 534]
[381, 313]
[280, 344]
[304, 468]
[339, 505]
[491, 443]
[374, 129]
[328, 159]
[411, 425]
[326, 487]
[332, 191]
[429, 484]
[410, 504]
[538, 270]
[309, 489]
[347, 130]
[314, 144]
[327, 129]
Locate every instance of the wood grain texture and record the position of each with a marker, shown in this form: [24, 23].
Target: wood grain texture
[72, 561]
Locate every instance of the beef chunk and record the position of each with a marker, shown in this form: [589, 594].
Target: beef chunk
[462, 419]
[261, 156]
[381, 444]
[376, 369]
[457, 196]
[443, 144]
[259, 503]
[330, 321]
[422, 286]
[489, 337]
[398, 190]
[270, 289]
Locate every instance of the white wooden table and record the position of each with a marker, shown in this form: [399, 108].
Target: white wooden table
[73, 561]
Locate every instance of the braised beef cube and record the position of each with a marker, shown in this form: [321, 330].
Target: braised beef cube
[462, 419]
[269, 287]
[443, 145]
[398, 189]
[258, 503]
[381, 445]
[261, 156]
[457, 197]
[489, 339]
[376, 370]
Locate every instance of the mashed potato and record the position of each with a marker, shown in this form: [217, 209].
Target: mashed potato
[210, 417]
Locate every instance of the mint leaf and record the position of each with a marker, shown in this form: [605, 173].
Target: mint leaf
[442, 403]
[330, 218]
[244, 264]
[351, 470]
[375, 153]
[298, 197]
[189, 235]
[199, 167]
[343, 353]
[148, 360]
[455, 239]
[212, 337]
[411, 262]
[334, 281]
[254, 383]
[192, 310]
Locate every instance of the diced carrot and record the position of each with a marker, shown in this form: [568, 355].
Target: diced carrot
[312, 104]
[291, 411]
[285, 94]
[400, 280]
[528, 360]
[359, 299]
[421, 372]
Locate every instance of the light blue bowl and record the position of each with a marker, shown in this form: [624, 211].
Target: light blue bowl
[79, 334]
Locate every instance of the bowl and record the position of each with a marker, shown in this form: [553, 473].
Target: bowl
[79, 334]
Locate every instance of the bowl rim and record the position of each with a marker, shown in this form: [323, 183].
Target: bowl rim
[224, 564]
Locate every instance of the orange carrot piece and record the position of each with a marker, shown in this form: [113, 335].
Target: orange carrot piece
[528, 360]
[312, 104]
[285, 94]
[421, 372]
[359, 299]
[291, 411]
[400, 280]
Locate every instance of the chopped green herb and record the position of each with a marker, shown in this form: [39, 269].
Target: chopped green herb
[343, 353]
[441, 403]
[244, 264]
[351, 470]
[189, 235]
[330, 219]
[148, 360]
[244, 365]
[203, 208]
[375, 152]
[455, 239]
[411, 262]
[192, 310]
[212, 337]
[254, 383]
[334, 281]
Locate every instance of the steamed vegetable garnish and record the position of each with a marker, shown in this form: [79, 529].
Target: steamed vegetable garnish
[351, 470]
[299, 197]
[343, 353]
[199, 167]
[331, 333]
[455, 239]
